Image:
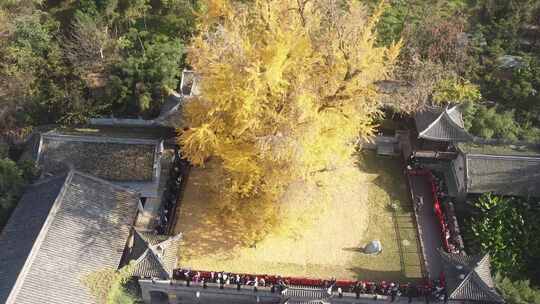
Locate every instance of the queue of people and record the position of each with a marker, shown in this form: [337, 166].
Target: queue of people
[170, 194]
[225, 278]
[433, 291]
[450, 235]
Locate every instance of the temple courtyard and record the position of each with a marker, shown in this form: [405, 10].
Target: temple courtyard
[316, 231]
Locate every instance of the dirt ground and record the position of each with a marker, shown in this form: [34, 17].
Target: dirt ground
[321, 227]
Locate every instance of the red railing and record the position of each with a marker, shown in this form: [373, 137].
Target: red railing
[437, 208]
[269, 280]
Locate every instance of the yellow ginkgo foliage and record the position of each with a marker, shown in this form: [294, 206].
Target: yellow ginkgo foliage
[287, 88]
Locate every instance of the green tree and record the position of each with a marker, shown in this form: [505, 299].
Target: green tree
[501, 29]
[89, 45]
[507, 228]
[175, 18]
[108, 286]
[151, 64]
[39, 82]
[452, 90]
[517, 292]
[11, 183]
[491, 122]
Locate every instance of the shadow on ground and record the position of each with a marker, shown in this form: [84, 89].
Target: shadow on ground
[376, 275]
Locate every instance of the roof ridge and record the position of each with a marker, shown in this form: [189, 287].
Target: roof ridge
[49, 179]
[481, 259]
[444, 120]
[157, 256]
[509, 157]
[153, 250]
[169, 240]
[144, 236]
[149, 252]
[484, 262]
[462, 283]
[53, 134]
[142, 257]
[474, 277]
[447, 114]
[39, 240]
[432, 124]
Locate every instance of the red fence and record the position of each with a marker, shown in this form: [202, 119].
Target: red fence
[371, 287]
[437, 209]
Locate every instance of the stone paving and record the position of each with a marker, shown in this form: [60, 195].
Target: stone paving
[428, 227]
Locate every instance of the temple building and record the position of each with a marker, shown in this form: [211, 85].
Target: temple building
[155, 256]
[500, 169]
[439, 128]
[126, 161]
[471, 165]
[63, 229]
[468, 279]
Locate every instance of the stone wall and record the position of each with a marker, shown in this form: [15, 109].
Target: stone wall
[179, 293]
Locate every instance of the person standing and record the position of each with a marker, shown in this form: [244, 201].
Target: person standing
[426, 294]
[410, 292]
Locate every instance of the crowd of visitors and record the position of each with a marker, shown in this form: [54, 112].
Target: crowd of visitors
[171, 192]
[442, 206]
[393, 291]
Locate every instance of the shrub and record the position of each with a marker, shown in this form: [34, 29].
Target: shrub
[517, 292]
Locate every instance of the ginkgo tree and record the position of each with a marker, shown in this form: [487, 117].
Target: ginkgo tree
[287, 88]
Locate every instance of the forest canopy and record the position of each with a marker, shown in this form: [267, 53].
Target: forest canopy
[485, 49]
[66, 61]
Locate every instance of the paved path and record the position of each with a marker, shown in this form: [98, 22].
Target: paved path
[428, 227]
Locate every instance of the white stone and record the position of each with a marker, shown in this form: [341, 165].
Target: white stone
[373, 247]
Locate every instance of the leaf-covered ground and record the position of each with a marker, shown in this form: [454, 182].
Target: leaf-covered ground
[319, 229]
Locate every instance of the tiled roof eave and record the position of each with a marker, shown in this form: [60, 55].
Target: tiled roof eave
[84, 206]
[503, 174]
[146, 258]
[475, 285]
[164, 262]
[39, 240]
[443, 128]
[453, 139]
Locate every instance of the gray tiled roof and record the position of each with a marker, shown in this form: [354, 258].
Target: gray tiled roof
[131, 162]
[155, 255]
[149, 266]
[441, 124]
[113, 159]
[468, 278]
[502, 174]
[85, 230]
[23, 228]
